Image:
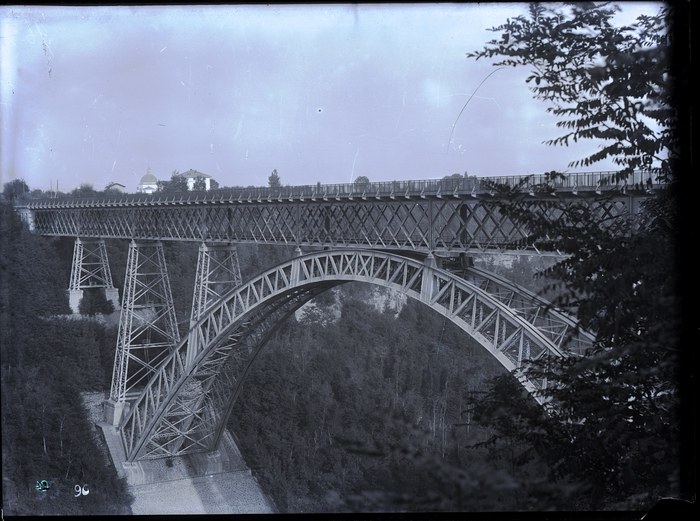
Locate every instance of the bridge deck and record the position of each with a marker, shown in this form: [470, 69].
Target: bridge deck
[446, 215]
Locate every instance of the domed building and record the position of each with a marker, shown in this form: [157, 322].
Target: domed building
[148, 184]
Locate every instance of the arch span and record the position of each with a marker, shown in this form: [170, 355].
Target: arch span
[185, 406]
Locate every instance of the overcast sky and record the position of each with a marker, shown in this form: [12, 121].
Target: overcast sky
[320, 93]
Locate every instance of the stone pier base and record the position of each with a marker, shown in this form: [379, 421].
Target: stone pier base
[113, 295]
[113, 412]
[74, 298]
[208, 463]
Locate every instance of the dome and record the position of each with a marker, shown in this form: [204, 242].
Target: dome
[148, 179]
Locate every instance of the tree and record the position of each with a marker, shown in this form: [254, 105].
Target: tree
[199, 185]
[93, 302]
[274, 181]
[112, 191]
[84, 190]
[51, 438]
[361, 180]
[15, 189]
[613, 428]
[614, 84]
[177, 183]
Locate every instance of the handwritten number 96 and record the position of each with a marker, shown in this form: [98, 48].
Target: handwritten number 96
[84, 490]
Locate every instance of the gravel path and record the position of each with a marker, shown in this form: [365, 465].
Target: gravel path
[228, 493]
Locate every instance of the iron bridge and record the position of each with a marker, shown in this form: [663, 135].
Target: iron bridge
[172, 396]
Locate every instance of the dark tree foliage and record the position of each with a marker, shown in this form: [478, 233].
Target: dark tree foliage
[177, 183]
[15, 189]
[364, 412]
[84, 190]
[94, 302]
[199, 185]
[361, 180]
[112, 191]
[605, 82]
[612, 432]
[47, 361]
[274, 180]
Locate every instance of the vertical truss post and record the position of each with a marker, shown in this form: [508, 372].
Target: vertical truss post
[147, 324]
[432, 226]
[463, 218]
[218, 272]
[90, 269]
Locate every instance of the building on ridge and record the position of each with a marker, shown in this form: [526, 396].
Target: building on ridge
[148, 184]
[115, 186]
[192, 176]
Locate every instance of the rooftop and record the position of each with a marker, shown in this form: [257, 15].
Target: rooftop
[194, 173]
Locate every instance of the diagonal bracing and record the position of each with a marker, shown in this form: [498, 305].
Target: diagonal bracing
[147, 324]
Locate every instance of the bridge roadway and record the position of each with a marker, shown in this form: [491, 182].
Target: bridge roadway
[448, 215]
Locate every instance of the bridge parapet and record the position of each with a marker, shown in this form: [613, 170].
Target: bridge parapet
[427, 188]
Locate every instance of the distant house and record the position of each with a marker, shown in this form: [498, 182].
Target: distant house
[193, 175]
[148, 184]
[115, 186]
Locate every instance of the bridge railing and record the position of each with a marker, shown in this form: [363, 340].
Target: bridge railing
[383, 189]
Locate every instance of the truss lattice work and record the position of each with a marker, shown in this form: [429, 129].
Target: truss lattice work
[90, 269]
[185, 406]
[448, 222]
[218, 271]
[147, 324]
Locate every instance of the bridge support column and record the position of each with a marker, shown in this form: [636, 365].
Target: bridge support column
[90, 269]
[428, 286]
[218, 271]
[147, 325]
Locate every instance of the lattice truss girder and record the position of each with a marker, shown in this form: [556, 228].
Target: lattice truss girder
[512, 325]
[90, 268]
[446, 224]
[147, 324]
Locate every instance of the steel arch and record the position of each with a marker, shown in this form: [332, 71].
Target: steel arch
[185, 407]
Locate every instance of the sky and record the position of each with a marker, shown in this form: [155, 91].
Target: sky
[321, 93]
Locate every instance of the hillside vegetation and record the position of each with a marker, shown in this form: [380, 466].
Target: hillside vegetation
[46, 363]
